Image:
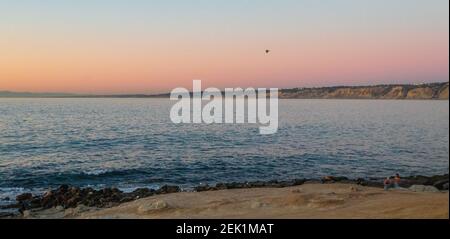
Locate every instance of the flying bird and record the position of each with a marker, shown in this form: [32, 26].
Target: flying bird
[267, 51]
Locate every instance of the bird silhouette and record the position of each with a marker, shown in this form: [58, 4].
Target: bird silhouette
[267, 51]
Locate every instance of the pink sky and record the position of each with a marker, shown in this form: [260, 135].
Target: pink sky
[149, 57]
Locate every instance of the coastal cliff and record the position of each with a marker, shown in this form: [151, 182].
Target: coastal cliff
[422, 91]
[431, 91]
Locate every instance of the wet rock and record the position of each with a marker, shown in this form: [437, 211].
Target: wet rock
[72, 202]
[24, 197]
[273, 183]
[126, 199]
[35, 203]
[142, 193]
[74, 190]
[424, 180]
[63, 188]
[7, 214]
[377, 183]
[203, 188]
[221, 186]
[11, 206]
[299, 181]
[168, 189]
[257, 184]
[48, 200]
[86, 191]
[440, 184]
[327, 179]
[332, 179]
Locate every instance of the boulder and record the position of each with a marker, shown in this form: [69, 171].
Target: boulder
[257, 184]
[24, 197]
[63, 188]
[423, 188]
[440, 184]
[152, 205]
[168, 189]
[370, 183]
[332, 179]
[424, 180]
[6, 215]
[142, 193]
[202, 188]
[26, 214]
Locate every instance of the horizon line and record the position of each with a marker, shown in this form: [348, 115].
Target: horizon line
[99, 95]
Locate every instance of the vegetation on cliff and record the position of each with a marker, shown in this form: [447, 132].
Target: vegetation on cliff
[422, 91]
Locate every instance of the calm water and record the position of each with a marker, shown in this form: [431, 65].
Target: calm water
[131, 143]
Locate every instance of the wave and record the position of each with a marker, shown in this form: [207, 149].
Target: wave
[96, 172]
[8, 194]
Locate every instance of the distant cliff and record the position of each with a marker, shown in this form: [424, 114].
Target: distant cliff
[422, 91]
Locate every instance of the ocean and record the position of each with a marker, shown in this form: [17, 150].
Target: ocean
[131, 143]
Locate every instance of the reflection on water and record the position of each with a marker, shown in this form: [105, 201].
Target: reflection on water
[132, 142]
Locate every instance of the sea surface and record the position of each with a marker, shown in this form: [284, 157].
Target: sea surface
[130, 143]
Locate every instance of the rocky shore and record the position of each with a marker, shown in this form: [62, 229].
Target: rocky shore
[67, 196]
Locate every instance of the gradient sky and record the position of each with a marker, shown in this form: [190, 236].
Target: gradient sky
[111, 46]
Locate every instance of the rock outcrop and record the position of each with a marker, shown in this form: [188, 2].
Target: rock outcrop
[77, 199]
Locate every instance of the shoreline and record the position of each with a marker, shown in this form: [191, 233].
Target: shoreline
[306, 201]
[66, 197]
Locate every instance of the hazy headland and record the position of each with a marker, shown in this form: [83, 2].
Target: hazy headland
[394, 91]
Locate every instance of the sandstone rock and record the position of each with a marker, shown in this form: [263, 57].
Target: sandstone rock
[26, 214]
[423, 188]
[76, 211]
[59, 208]
[153, 205]
[256, 205]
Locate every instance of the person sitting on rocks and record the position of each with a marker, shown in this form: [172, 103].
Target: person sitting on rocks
[397, 180]
[387, 183]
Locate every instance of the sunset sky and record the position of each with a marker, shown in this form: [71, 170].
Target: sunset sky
[148, 46]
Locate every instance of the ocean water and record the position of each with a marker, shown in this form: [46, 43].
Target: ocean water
[129, 143]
